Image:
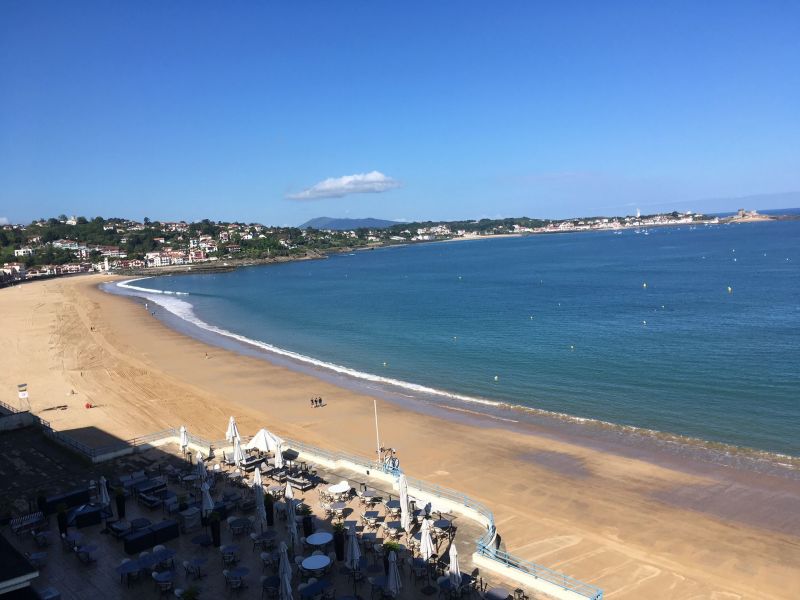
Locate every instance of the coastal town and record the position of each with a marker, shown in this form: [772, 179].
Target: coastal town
[71, 245]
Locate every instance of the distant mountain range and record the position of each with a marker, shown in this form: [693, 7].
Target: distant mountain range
[347, 224]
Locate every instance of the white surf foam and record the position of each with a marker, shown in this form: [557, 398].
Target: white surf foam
[126, 285]
[184, 310]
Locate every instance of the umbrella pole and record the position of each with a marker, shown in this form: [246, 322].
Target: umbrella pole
[428, 590]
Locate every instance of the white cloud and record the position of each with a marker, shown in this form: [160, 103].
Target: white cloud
[373, 182]
[3, 220]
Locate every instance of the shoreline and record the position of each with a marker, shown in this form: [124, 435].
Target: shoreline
[238, 263]
[634, 527]
[717, 452]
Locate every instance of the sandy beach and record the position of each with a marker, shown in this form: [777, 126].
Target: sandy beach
[636, 528]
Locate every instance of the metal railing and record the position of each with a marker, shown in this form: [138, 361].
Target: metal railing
[9, 408]
[544, 573]
[484, 545]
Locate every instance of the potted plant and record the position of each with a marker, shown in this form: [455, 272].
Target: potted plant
[119, 499]
[214, 523]
[61, 519]
[389, 547]
[339, 536]
[308, 523]
[269, 508]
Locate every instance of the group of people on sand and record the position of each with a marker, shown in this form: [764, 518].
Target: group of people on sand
[317, 402]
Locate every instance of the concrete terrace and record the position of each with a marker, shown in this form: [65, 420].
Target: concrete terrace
[38, 459]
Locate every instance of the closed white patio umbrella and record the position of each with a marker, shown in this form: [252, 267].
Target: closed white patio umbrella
[288, 493]
[278, 457]
[291, 524]
[426, 547]
[184, 436]
[405, 513]
[352, 553]
[258, 489]
[393, 584]
[232, 431]
[455, 572]
[103, 491]
[201, 466]
[238, 455]
[207, 501]
[285, 573]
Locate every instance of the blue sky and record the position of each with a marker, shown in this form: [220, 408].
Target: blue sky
[430, 110]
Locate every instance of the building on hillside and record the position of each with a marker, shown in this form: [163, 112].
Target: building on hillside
[15, 270]
[197, 255]
[24, 251]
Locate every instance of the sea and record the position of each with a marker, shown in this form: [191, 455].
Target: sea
[688, 333]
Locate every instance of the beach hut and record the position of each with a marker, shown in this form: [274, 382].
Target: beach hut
[232, 431]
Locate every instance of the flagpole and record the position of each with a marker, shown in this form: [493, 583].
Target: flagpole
[377, 435]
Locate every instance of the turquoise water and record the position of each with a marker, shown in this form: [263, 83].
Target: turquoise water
[562, 323]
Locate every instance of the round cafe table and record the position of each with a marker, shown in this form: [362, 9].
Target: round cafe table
[132, 566]
[316, 562]
[497, 593]
[442, 524]
[320, 538]
[230, 549]
[163, 576]
[239, 572]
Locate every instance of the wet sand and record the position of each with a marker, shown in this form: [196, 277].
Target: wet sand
[631, 523]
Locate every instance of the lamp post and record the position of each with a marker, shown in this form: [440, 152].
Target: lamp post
[377, 434]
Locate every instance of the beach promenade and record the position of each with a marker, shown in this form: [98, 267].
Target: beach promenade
[629, 526]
